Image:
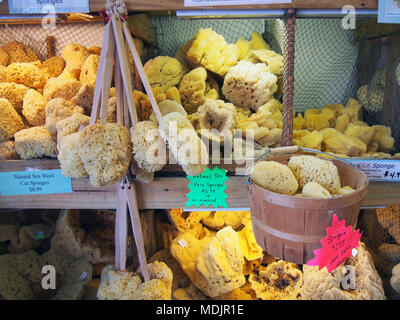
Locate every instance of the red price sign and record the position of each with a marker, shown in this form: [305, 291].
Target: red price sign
[337, 246]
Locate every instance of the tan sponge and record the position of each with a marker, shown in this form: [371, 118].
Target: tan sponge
[275, 177]
[35, 142]
[10, 121]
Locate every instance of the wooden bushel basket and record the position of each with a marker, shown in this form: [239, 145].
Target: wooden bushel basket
[291, 228]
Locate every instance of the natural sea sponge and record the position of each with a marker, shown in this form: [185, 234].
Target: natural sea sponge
[280, 280]
[75, 56]
[4, 57]
[220, 219]
[249, 85]
[312, 140]
[395, 279]
[148, 147]
[315, 190]
[3, 74]
[312, 169]
[164, 72]
[18, 52]
[27, 74]
[384, 138]
[343, 191]
[84, 98]
[106, 152]
[122, 285]
[322, 285]
[58, 109]
[216, 120]
[34, 108]
[61, 88]
[210, 50]
[14, 93]
[275, 177]
[7, 150]
[188, 149]
[89, 70]
[21, 276]
[179, 279]
[87, 234]
[70, 125]
[35, 142]
[273, 60]
[168, 106]
[221, 263]
[68, 155]
[364, 133]
[10, 121]
[193, 89]
[53, 66]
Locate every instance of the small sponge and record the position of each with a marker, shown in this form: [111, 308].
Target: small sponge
[312, 169]
[315, 190]
[58, 109]
[70, 125]
[35, 142]
[70, 161]
[34, 108]
[275, 177]
[10, 121]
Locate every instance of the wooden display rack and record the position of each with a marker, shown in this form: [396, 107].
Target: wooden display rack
[162, 193]
[167, 192]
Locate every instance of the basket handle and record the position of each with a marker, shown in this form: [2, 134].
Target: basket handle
[284, 150]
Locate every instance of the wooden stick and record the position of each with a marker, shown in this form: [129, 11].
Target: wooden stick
[137, 229]
[118, 88]
[141, 71]
[121, 228]
[100, 70]
[123, 60]
[107, 76]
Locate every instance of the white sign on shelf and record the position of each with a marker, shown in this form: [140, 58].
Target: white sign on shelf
[204, 3]
[40, 6]
[378, 169]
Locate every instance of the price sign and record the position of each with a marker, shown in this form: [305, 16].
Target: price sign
[389, 11]
[378, 170]
[18, 183]
[337, 246]
[204, 3]
[208, 188]
[45, 6]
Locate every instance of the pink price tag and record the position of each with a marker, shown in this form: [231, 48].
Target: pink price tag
[337, 246]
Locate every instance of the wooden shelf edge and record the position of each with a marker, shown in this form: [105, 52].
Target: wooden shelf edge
[167, 193]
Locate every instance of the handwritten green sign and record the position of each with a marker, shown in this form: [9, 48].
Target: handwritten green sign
[208, 189]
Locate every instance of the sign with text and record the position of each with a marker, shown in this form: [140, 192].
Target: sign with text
[45, 6]
[204, 3]
[337, 246]
[208, 189]
[378, 170]
[34, 182]
[389, 11]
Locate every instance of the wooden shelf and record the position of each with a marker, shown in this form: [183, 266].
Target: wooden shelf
[162, 193]
[162, 5]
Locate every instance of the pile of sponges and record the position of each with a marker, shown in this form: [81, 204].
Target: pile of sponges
[304, 176]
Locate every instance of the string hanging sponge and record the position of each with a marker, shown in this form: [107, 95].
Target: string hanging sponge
[106, 152]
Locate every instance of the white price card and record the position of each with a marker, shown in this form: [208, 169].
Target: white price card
[378, 170]
[46, 6]
[204, 3]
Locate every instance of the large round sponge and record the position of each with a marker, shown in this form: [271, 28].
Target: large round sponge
[275, 177]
